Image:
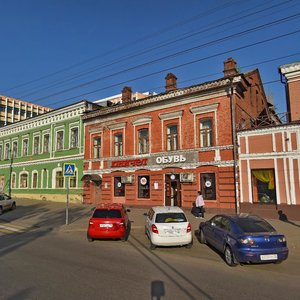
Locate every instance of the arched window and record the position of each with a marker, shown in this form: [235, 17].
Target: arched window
[24, 180]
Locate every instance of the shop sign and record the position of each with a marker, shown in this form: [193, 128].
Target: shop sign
[143, 181]
[174, 159]
[129, 163]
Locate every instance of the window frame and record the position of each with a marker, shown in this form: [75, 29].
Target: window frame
[77, 138]
[34, 150]
[146, 187]
[118, 145]
[117, 180]
[171, 137]
[27, 146]
[61, 147]
[142, 141]
[206, 137]
[97, 148]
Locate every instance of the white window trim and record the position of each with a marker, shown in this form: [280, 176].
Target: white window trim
[26, 173]
[78, 137]
[37, 179]
[63, 141]
[23, 139]
[11, 183]
[39, 146]
[43, 139]
[54, 171]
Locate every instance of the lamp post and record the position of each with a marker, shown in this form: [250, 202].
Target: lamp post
[11, 155]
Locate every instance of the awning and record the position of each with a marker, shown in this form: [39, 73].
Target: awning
[91, 177]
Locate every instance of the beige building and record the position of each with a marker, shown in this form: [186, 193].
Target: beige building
[13, 110]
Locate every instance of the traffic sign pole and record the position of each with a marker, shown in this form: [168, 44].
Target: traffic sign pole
[67, 202]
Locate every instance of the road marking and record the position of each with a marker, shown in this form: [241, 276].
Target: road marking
[9, 228]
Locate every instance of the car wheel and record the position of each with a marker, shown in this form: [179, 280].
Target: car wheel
[190, 245]
[14, 206]
[152, 246]
[89, 238]
[202, 237]
[229, 257]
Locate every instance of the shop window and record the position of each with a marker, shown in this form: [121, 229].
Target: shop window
[144, 186]
[206, 133]
[118, 142]
[263, 186]
[46, 147]
[60, 140]
[208, 186]
[36, 145]
[25, 147]
[119, 187]
[143, 143]
[172, 138]
[74, 138]
[73, 181]
[97, 147]
[59, 179]
[24, 180]
[15, 149]
[34, 180]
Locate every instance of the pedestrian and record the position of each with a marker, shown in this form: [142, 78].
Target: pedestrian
[200, 204]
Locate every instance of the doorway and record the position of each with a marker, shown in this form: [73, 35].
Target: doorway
[172, 190]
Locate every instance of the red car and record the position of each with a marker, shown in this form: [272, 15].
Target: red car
[109, 221]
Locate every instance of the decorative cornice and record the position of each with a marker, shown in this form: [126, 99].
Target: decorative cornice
[171, 115]
[204, 109]
[142, 120]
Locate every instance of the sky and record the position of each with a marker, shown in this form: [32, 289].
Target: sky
[58, 52]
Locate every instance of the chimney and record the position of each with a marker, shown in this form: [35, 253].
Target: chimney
[126, 94]
[230, 67]
[171, 82]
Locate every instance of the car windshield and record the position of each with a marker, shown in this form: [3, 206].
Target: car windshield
[105, 213]
[248, 225]
[170, 218]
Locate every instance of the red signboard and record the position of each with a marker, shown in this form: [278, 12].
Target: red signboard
[129, 163]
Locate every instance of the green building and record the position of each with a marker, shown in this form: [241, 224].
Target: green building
[33, 153]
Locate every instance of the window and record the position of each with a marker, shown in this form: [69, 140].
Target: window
[208, 186]
[36, 145]
[119, 187]
[46, 146]
[74, 138]
[97, 147]
[34, 180]
[144, 186]
[13, 180]
[24, 181]
[59, 179]
[172, 138]
[73, 181]
[118, 141]
[206, 133]
[60, 140]
[0, 152]
[264, 186]
[6, 151]
[25, 147]
[143, 143]
[15, 149]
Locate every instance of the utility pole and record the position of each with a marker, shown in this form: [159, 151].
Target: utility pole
[11, 154]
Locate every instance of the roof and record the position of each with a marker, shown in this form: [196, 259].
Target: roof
[109, 206]
[167, 209]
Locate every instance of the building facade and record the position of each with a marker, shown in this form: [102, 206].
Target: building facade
[13, 110]
[269, 159]
[33, 152]
[162, 149]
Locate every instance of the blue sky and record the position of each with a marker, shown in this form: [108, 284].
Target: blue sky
[57, 52]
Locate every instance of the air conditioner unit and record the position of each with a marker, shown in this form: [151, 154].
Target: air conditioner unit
[187, 177]
[127, 179]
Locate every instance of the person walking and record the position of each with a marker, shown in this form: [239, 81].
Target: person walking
[200, 204]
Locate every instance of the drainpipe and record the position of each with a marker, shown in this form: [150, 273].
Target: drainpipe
[234, 142]
[287, 95]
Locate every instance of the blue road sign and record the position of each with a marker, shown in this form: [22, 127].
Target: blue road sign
[69, 170]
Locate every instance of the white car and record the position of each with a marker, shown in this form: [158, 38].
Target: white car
[168, 226]
[6, 203]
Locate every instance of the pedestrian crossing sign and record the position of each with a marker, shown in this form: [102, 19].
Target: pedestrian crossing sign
[69, 170]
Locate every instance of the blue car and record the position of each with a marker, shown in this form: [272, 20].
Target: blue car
[244, 239]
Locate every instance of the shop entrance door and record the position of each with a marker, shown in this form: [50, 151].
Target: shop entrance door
[172, 190]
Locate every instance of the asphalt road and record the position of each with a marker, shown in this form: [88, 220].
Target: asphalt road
[45, 259]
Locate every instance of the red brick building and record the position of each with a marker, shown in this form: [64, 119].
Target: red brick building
[269, 159]
[162, 149]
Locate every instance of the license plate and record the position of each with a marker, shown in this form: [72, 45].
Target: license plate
[268, 257]
[105, 225]
[169, 231]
